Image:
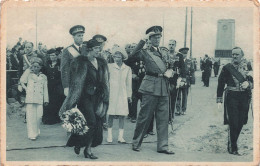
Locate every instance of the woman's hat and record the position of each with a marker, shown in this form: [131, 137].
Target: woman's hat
[92, 43]
[122, 51]
[51, 51]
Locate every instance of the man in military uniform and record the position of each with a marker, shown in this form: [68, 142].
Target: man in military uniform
[186, 73]
[237, 96]
[173, 63]
[25, 61]
[206, 70]
[69, 53]
[216, 67]
[155, 92]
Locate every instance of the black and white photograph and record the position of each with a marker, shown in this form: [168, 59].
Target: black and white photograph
[129, 82]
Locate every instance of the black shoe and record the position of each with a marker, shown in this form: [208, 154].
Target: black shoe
[77, 150]
[133, 120]
[135, 148]
[166, 152]
[236, 153]
[146, 135]
[91, 155]
[151, 133]
[177, 113]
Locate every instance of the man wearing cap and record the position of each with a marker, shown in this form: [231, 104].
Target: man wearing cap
[70, 53]
[206, 69]
[25, 61]
[173, 63]
[155, 92]
[186, 73]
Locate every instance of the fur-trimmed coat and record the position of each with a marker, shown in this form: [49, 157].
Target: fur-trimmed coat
[79, 79]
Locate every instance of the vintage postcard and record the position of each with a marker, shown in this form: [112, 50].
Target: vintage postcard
[130, 82]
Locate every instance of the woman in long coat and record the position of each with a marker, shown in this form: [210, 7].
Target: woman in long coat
[120, 92]
[56, 96]
[89, 89]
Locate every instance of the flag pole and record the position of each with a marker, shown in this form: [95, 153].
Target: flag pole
[185, 34]
[191, 15]
[36, 17]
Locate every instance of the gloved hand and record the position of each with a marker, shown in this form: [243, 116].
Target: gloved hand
[169, 73]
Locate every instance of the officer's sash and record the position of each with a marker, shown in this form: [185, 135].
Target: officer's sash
[235, 73]
[73, 51]
[158, 61]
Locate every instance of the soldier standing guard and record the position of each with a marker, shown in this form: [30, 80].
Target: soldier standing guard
[237, 96]
[70, 53]
[155, 92]
[186, 73]
[174, 64]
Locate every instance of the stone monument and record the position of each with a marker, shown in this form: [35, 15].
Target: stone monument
[225, 39]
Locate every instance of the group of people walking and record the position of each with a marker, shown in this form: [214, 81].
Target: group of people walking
[106, 86]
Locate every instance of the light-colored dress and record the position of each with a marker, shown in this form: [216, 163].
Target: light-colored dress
[120, 80]
[36, 95]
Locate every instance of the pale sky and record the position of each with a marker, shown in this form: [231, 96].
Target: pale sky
[122, 25]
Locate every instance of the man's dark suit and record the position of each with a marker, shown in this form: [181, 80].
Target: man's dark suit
[155, 97]
[207, 66]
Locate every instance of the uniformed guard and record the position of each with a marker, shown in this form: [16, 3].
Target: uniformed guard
[155, 92]
[69, 53]
[186, 73]
[173, 63]
[237, 96]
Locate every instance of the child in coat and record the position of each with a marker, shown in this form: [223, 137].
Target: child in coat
[36, 96]
[120, 92]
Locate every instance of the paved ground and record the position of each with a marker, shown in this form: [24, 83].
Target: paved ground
[198, 136]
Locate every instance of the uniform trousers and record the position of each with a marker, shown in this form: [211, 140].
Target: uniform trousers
[206, 77]
[33, 116]
[173, 94]
[182, 98]
[237, 107]
[150, 105]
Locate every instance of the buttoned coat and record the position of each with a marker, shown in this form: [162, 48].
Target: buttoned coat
[120, 89]
[37, 89]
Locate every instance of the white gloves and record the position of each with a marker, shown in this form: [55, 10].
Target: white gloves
[66, 91]
[169, 73]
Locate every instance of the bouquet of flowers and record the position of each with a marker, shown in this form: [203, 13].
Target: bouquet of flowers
[74, 122]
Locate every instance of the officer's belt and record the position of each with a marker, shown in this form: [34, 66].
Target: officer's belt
[232, 88]
[154, 74]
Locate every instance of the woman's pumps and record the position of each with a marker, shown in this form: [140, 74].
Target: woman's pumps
[91, 155]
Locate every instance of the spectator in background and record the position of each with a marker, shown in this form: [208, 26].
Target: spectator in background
[25, 61]
[216, 67]
[127, 48]
[55, 90]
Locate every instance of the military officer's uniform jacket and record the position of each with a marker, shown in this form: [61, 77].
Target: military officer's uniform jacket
[68, 55]
[155, 66]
